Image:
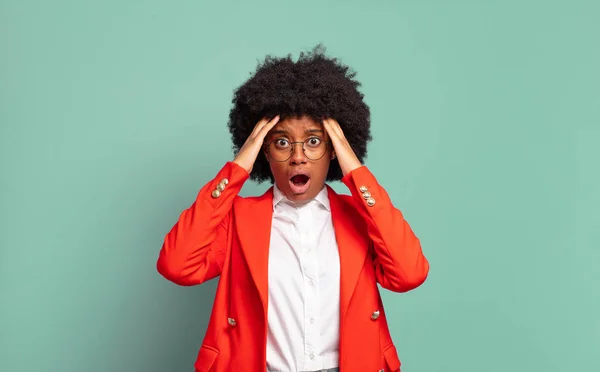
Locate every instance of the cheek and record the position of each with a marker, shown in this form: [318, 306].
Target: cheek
[323, 168]
[278, 169]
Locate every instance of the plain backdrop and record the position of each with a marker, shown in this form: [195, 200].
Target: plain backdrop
[486, 125]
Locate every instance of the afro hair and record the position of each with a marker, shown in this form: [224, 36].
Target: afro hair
[315, 86]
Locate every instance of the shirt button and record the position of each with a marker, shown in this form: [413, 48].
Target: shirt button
[311, 283]
[311, 356]
[312, 320]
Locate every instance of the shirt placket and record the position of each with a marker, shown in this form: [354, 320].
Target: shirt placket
[311, 290]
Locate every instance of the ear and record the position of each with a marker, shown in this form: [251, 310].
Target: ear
[332, 155]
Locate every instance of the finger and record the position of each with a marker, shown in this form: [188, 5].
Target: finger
[336, 126]
[330, 129]
[268, 126]
[261, 124]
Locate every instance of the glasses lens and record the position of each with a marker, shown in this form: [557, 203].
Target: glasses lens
[314, 149]
[279, 152]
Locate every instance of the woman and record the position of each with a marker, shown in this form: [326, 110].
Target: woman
[299, 265]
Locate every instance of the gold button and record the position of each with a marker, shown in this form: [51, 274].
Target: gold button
[220, 187]
[216, 193]
[224, 181]
[231, 322]
[371, 202]
[375, 314]
[363, 189]
[366, 195]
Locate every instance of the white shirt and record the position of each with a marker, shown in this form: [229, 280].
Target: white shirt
[304, 282]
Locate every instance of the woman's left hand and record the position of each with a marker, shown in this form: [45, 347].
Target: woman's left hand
[346, 156]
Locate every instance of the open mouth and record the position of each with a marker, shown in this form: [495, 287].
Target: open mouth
[299, 183]
[299, 179]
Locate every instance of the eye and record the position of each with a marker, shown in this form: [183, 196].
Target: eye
[313, 142]
[282, 143]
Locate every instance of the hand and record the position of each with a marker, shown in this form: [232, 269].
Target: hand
[251, 148]
[346, 156]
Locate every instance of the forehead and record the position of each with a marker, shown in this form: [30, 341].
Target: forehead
[297, 126]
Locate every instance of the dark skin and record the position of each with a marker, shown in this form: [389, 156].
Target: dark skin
[298, 130]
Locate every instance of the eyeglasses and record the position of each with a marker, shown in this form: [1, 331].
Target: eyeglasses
[281, 149]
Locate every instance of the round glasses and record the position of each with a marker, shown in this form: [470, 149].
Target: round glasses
[281, 149]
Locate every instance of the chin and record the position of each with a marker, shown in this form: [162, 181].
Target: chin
[301, 197]
[304, 196]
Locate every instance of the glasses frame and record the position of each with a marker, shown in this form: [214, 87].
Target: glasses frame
[268, 145]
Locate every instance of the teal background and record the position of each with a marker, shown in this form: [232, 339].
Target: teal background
[486, 124]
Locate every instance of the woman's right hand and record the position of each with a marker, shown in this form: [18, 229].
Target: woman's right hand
[252, 147]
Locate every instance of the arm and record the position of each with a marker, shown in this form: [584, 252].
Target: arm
[194, 249]
[400, 265]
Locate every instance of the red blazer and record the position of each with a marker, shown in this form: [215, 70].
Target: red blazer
[225, 234]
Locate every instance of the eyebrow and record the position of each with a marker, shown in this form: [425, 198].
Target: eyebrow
[282, 131]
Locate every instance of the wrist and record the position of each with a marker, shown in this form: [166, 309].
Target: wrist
[348, 168]
[241, 164]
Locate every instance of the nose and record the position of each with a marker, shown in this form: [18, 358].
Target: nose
[298, 156]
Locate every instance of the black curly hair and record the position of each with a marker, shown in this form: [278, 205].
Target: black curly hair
[315, 86]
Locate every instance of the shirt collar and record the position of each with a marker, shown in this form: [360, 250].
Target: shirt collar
[322, 197]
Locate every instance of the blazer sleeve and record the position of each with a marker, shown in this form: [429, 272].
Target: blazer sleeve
[400, 265]
[194, 249]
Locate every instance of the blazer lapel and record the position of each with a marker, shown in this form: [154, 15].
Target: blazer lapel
[253, 222]
[254, 231]
[350, 245]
